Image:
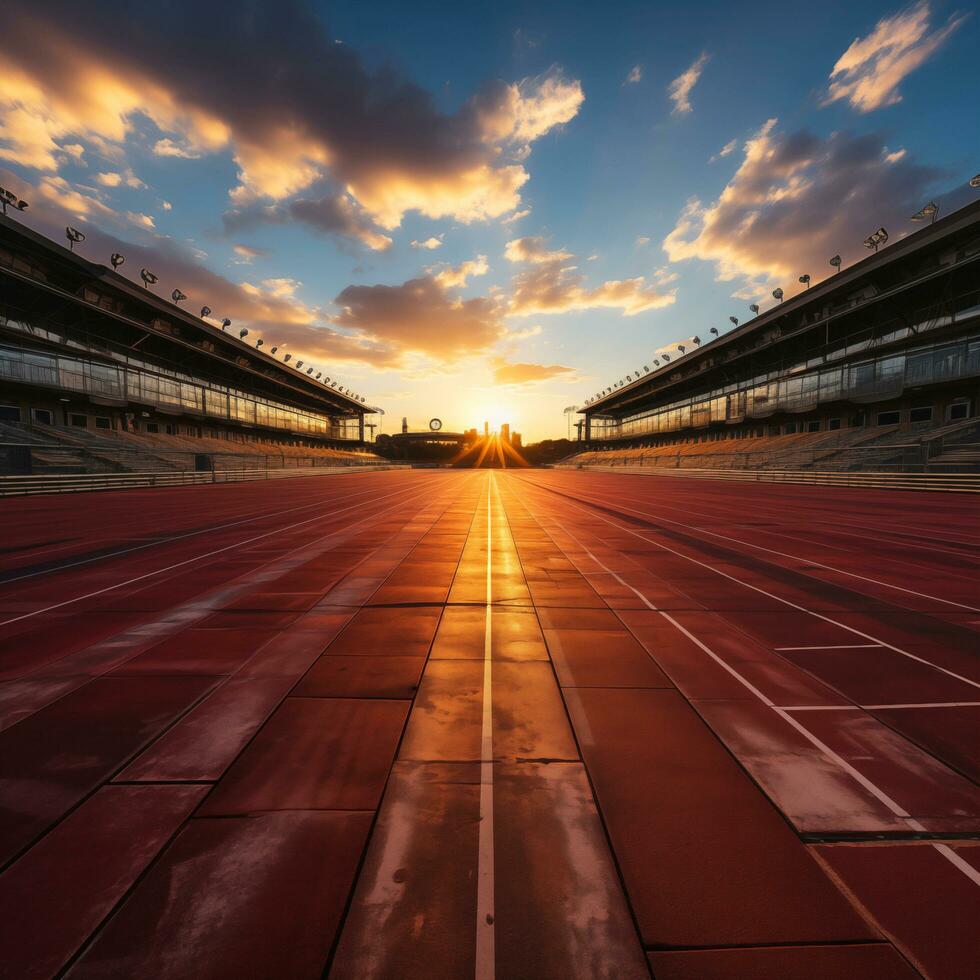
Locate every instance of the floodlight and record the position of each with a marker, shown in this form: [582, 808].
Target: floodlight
[876, 239]
[177, 296]
[299, 364]
[975, 181]
[225, 323]
[309, 370]
[205, 311]
[777, 294]
[325, 380]
[805, 279]
[259, 342]
[681, 348]
[273, 350]
[286, 358]
[10, 199]
[835, 262]
[319, 374]
[149, 278]
[754, 307]
[714, 331]
[117, 259]
[74, 237]
[666, 357]
[733, 320]
[243, 333]
[929, 210]
[646, 369]
[696, 340]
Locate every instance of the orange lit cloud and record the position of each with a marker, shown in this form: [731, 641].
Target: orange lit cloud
[550, 284]
[680, 88]
[80, 74]
[869, 72]
[795, 201]
[505, 373]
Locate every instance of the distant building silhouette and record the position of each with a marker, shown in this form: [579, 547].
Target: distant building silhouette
[505, 433]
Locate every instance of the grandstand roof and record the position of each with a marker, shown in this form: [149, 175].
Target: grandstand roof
[229, 350]
[627, 398]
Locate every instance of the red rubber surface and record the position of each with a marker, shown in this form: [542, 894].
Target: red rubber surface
[729, 725]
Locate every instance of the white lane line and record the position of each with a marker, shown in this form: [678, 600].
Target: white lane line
[485, 939]
[177, 537]
[188, 561]
[770, 595]
[783, 554]
[878, 707]
[875, 791]
[839, 646]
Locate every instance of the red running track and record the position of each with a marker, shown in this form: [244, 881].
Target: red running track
[535, 723]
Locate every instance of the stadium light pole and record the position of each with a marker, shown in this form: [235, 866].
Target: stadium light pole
[205, 311]
[74, 236]
[286, 358]
[713, 331]
[259, 342]
[149, 278]
[243, 333]
[10, 199]
[754, 307]
[929, 211]
[835, 262]
[805, 279]
[177, 296]
[975, 181]
[777, 294]
[116, 259]
[225, 323]
[733, 320]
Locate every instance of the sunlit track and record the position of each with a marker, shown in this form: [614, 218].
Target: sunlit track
[973, 874]
[586, 496]
[530, 727]
[195, 558]
[787, 602]
[250, 518]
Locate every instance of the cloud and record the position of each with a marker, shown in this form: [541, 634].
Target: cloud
[724, 151]
[642, 240]
[796, 200]
[550, 284]
[505, 373]
[457, 276]
[247, 254]
[869, 72]
[679, 89]
[516, 216]
[421, 315]
[432, 242]
[311, 110]
[113, 179]
[533, 249]
[168, 148]
[140, 220]
[332, 214]
[635, 75]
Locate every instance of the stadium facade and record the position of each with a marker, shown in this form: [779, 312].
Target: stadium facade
[83, 347]
[892, 340]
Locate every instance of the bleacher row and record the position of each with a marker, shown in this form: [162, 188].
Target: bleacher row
[56, 449]
[951, 447]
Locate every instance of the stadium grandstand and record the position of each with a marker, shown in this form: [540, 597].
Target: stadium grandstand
[99, 375]
[876, 368]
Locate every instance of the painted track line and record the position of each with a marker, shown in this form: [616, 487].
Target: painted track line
[967, 869]
[785, 602]
[188, 561]
[485, 938]
[783, 554]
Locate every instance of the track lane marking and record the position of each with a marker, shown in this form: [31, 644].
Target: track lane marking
[485, 935]
[783, 554]
[785, 602]
[897, 809]
[188, 561]
[838, 646]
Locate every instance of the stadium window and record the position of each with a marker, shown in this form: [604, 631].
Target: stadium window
[101, 422]
[958, 411]
[888, 418]
[152, 427]
[41, 415]
[9, 413]
[78, 421]
[813, 426]
[922, 413]
[833, 424]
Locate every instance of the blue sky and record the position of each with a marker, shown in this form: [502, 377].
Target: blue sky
[278, 162]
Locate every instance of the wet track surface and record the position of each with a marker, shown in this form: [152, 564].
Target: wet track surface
[490, 724]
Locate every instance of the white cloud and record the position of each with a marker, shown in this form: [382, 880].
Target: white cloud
[725, 150]
[456, 276]
[635, 75]
[680, 88]
[642, 240]
[869, 72]
[169, 148]
[516, 216]
[432, 242]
